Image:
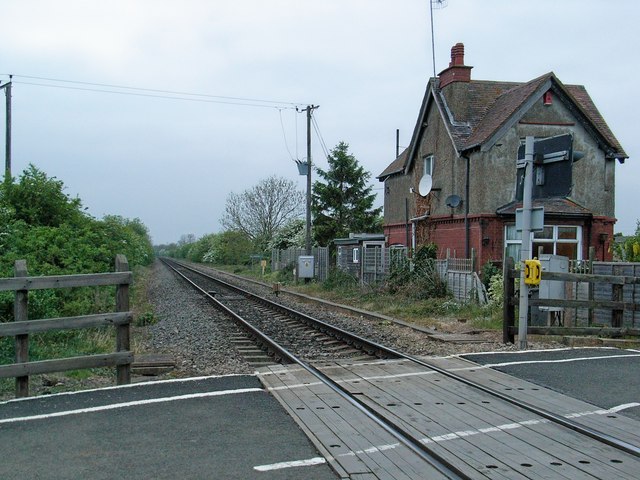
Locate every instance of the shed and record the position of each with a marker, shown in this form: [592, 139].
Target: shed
[361, 255]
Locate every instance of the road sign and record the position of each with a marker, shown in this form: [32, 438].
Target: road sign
[537, 219]
[552, 167]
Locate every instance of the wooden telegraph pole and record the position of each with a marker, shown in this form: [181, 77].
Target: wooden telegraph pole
[7, 152]
[309, 111]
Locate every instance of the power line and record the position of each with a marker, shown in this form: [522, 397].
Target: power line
[322, 144]
[286, 144]
[157, 93]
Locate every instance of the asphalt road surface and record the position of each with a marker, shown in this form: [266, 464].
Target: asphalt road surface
[605, 377]
[213, 428]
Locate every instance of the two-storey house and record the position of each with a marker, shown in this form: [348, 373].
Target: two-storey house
[456, 184]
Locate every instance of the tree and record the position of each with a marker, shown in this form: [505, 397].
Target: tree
[41, 224]
[229, 248]
[629, 249]
[343, 203]
[291, 235]
[39, 200]
[263, 210]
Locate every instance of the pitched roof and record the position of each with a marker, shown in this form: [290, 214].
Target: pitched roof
[501, 108]
[396, 166]
[491, 106]
[504, 103]
[579, 93]
[552, 206]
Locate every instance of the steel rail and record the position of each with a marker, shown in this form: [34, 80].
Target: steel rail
[555, 418]
[369, 346]
[415, 445]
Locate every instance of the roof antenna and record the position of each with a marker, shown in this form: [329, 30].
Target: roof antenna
[434, 4]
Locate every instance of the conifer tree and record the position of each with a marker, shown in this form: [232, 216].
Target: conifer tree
[342, 202]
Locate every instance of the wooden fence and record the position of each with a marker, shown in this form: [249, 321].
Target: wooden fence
[617, 305]
[22, 327]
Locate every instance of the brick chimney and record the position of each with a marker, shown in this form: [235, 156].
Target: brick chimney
[457, 70]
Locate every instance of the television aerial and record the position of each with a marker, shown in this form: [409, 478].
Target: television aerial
[434, 4]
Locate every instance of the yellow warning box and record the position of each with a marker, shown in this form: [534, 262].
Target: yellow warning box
[532, 272]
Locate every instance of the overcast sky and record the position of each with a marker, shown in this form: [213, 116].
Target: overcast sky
[172, 162]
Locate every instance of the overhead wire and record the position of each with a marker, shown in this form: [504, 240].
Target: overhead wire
[324, 146]
[284, 135]
[317, 130]
[169, 95]
[154, 93]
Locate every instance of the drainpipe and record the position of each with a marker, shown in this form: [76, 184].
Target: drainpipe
[406, 222]
[467, 250]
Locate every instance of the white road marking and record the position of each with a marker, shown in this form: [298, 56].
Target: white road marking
[130, 404]
[531, 362]
[130, 385]
[296, 463]
[460, 369]
[524, 352]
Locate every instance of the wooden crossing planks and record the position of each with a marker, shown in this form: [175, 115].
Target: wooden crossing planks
[353, 444]
[514, 438]
[488, 439]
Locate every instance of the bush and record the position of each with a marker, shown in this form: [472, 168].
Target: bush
[496, 291]
[488, 272]
[339, 279]
[39, 223]
[418, 279]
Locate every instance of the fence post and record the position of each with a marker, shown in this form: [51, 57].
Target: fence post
[20, 314]
[508, 308]
[122, 333]
[617, 315]
[590, 287]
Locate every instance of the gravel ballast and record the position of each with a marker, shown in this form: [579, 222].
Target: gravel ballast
[197, 334]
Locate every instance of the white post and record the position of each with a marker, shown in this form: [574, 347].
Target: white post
[525, 249]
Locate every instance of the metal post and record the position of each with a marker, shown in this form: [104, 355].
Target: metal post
[525, 248]
[309, 111]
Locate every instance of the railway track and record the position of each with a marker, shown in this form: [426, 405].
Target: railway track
[278, 331]
[307, 343]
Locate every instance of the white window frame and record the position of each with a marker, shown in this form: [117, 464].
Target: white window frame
[356, 255]
[427, 164]
[553, 240]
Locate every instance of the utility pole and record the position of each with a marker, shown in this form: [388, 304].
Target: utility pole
[309, 110]
[7, 153]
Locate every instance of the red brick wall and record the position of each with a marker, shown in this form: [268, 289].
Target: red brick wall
[397, 234]
[601, 237]
[486, 236]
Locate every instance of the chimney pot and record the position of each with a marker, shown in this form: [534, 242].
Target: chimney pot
[457, 71]
[457, 55]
